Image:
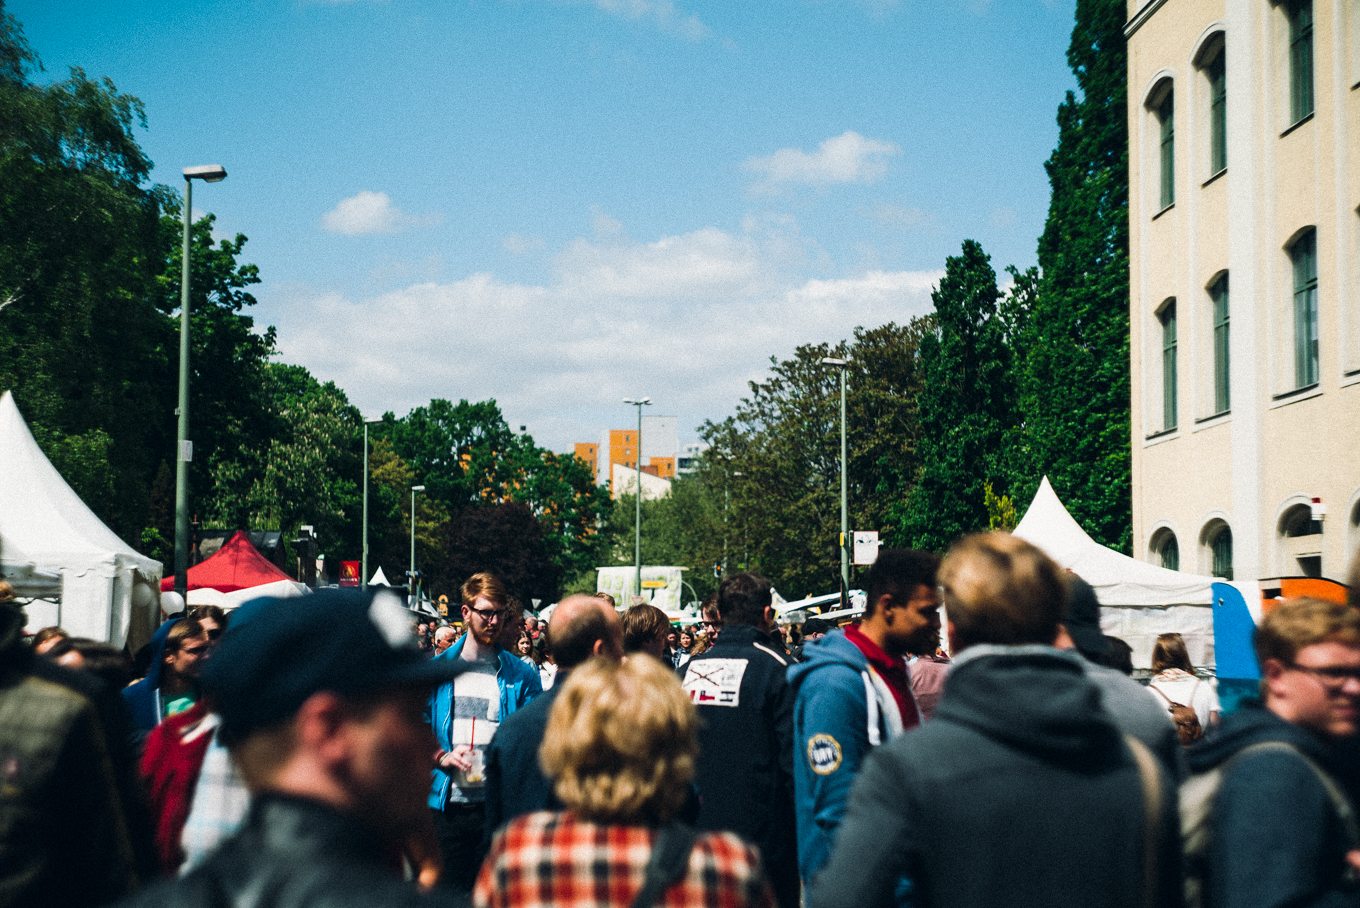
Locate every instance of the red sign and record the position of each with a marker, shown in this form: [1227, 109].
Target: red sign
[349, 573]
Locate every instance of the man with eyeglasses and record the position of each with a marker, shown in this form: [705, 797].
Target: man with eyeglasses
[1277, 835]
[465, 715]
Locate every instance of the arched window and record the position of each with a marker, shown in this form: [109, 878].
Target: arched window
[1300, 15]
[1167, 317]
[1301, 541]
[1222, 548]
[1218, 292]
[1166, 122]
[1303, 258]
[1165, 549]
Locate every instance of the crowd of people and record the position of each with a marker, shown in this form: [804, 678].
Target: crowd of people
[324, 750]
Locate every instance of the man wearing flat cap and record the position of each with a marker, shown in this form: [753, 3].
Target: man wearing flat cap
[329, 735]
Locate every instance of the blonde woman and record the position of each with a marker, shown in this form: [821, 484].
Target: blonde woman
[620, 747]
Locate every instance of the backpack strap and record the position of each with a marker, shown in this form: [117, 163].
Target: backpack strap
[1340, 803]
[1149, 775]
[1168, 700]
[670, 858]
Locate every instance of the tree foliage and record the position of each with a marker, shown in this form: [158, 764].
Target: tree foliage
[966, 402]
[779, 457]
[1074, 383]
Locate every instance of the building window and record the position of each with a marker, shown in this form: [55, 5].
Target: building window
[1218, 113]
[1219, 293]
[1221, 546]
[1168, 319]
[1167, 121]
[1169, 552]
[1303, 254]
[1300, 13]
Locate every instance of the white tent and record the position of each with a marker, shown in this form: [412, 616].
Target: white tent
[1138, 600]
[279, 589]
[379, 578]
[106, 587]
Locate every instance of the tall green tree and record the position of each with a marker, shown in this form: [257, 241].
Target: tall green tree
[304, 469]
[966, 402]
[80, 342]
[1075, 377]
[466, 456]
[778, 458]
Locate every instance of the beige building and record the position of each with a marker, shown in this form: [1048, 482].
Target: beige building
[1244, 208]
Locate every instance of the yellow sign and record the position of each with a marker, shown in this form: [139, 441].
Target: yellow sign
[653, 584]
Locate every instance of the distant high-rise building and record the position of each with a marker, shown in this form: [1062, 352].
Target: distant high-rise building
[660, 453]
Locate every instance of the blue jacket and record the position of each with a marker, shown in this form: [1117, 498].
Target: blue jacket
[518, 683]
[144, 697]
[832, 734]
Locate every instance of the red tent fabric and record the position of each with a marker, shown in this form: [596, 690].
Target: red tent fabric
[238, 565]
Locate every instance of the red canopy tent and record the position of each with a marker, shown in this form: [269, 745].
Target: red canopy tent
[238, 565]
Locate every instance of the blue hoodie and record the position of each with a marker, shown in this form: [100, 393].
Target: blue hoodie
[144, 697]
[834, 729]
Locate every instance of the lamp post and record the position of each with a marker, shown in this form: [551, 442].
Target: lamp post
[184, 451]
[637, 545]
[363, 558]
[845, 493]
[411, 575]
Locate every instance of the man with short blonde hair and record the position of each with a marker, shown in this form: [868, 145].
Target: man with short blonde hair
[1277, 833]
[1021, 790]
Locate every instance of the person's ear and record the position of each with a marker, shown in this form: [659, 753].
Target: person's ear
[321, 724]
[953, 635]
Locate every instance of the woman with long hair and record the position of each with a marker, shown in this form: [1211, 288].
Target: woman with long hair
[1174, 680]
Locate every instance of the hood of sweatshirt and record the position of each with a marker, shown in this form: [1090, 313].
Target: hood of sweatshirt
[1033, 698]
[833, 649]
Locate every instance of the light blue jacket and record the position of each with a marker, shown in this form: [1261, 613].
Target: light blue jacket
[518, 684]
[833, 731]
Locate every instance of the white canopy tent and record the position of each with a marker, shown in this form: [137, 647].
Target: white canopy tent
[379, 578]
[279, 589]
[1138, 600]
[106, 587]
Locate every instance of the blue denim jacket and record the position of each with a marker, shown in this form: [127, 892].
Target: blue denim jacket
[518, 683]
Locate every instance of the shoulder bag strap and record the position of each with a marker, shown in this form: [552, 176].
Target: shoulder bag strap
[1149, 776]
[670, 858]
[1340, 803]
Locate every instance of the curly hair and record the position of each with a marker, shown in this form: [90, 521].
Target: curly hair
[621, 742]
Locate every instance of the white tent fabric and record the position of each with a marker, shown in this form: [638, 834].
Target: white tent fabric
[105, 585]
[379, 578]
[1139, 600]
[279, 589]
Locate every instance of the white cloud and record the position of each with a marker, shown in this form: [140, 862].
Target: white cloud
[518, 244]
[687, 320]
[662, 12]
[847, 158]
[372, 212]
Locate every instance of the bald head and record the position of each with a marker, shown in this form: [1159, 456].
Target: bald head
[581, 627]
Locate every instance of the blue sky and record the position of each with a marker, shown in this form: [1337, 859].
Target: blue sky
[561, 203]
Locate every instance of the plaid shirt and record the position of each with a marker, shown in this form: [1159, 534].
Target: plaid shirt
[554, 860]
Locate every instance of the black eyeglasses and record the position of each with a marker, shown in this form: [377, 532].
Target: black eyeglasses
[712, 624]
[489, 614]
[1330, 675]
[214, 633]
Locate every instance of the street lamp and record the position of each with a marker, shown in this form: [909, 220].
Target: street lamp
[184, 449]
[363, 564]
[411, 574]
[637, 549]
[845, 495]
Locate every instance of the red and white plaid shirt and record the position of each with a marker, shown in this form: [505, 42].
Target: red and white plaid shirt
[554, 860]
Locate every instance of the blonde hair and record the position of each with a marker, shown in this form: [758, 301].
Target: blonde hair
[621, 742]
[1299, 623]
[997, 588]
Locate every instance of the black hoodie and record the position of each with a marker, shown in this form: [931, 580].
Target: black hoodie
[1276, 837]
[1021, 791]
